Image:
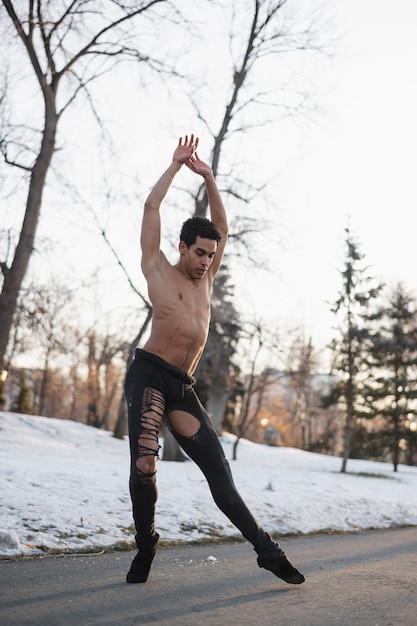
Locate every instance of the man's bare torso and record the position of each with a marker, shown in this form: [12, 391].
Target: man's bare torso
[181, 317]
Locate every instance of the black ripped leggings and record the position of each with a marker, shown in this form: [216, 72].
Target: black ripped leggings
[153, 389]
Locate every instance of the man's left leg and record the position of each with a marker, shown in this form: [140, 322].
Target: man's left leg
[196, 435]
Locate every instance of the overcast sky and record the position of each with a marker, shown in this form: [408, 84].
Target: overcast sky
[360, 161]
[356, 160]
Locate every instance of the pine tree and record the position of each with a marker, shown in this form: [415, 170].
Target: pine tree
[391, 392]
[358, 292]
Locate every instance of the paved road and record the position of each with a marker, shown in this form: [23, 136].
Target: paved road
[364, 579]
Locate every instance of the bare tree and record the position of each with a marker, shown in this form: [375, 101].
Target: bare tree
[267, 34]
[262, 36]
[70, 44]
[121, 424]
[120, 428]
[261, 343]
[45, 309]
[102, 379]
[303, 362]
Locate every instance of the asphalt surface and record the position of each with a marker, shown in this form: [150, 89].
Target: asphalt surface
[365, 579]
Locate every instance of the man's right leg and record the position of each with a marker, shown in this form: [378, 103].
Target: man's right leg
[144, 493]
[145, 411]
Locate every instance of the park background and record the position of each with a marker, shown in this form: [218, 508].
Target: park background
[65, 489]
[339, 152]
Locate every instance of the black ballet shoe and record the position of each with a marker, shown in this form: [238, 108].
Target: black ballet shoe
[141, 565]
[281, 567]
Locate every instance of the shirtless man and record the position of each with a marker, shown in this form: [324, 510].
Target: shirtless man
[159, 382]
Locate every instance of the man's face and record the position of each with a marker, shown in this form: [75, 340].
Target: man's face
[198, 257]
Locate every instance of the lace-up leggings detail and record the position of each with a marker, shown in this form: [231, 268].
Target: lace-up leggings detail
[152, 413]
[157, 392]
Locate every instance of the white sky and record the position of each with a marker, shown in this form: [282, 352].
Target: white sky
[361, 162]
[357, 160]
[64, 485]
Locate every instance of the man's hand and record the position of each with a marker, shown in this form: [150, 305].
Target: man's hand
[185, 149]
[199, 167]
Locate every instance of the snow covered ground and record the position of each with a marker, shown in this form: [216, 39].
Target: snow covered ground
[64, 488]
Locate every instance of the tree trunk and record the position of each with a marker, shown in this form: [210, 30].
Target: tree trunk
[348, 429]
[172, 451]
[347, 443]
[120, 429]
[350, 398]
[235, 445]
[396, 448]
[216, 404]
[13, 276]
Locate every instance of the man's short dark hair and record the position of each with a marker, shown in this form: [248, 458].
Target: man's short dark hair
[198, 227]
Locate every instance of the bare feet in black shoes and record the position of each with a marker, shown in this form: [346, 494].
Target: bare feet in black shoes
[141, 564]
[281, 567]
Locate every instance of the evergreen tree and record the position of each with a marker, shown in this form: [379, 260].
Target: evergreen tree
[391, 392]
[214, 369]
[358, 292]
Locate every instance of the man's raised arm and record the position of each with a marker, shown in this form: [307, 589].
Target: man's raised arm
[217, 211]
[150, 238]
